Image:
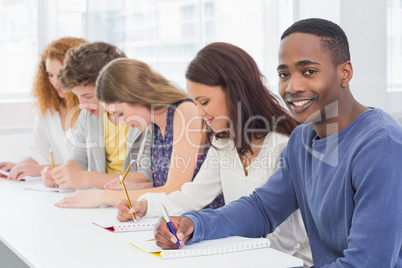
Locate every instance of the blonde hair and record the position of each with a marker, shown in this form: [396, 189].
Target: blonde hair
[43, 91]
[134, 82]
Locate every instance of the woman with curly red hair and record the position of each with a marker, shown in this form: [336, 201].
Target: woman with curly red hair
[57, 113]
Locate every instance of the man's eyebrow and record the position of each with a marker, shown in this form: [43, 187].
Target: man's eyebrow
[306, 62]
[282, 66]
[298, 64]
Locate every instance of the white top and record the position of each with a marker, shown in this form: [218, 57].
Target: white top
[48, 133]
[222, 171]
[49, 237]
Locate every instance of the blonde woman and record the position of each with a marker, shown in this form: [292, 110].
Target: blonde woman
[142, 98]
[51, 125]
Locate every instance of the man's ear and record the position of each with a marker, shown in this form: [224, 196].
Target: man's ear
[346, 71]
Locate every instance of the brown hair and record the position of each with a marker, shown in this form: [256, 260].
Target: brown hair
[43, 90]
[236, 72]
[82, 64]
[134, 82]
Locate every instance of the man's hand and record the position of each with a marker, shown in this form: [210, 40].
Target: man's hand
[183, 226]
[47, 178]
[68, 177]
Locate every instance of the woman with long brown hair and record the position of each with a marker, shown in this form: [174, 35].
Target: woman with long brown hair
[250, 130]
[53, 122]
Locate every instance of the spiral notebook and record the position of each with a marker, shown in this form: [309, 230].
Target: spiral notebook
[42, 188]
[25, 178]
[206, 247]
[143, 224]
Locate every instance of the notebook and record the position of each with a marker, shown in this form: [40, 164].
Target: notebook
[206, 247]
[30, 178]
[25, 178]
[42, 188]
[129, 226]
[4, 173]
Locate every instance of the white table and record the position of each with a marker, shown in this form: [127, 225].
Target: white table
[45, 236]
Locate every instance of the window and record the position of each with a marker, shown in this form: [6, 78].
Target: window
[18, 47]
[187, 13]
[168, 34]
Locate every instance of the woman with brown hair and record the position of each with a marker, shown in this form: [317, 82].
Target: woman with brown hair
[250, 130]
[56, 114]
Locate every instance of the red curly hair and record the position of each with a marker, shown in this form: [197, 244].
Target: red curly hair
[43, 91]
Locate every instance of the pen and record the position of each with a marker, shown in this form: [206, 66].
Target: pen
[169, 224]
[128, 199]
[128, 168]
[51, 157]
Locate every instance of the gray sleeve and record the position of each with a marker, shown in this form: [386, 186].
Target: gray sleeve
[140, 151]
[78, 141]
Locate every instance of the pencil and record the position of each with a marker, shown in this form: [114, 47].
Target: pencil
[128, 168]
[128, 199]
[51, 157]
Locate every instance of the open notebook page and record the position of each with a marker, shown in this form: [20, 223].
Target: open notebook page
[42, 188]
[206, 247]
[114, 225]
[25, 178]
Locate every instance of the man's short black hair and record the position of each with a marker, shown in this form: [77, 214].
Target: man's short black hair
[333, 38]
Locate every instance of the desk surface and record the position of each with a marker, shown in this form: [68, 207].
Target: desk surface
[45, 236]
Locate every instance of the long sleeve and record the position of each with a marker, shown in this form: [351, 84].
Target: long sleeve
[291, 234]
[266, 208]
[139, 150]
[375, 238]
[194, 195]
[79, 152]
[144, 158]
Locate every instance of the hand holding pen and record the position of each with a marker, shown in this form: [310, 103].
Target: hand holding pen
[165, 234]
[128, 198]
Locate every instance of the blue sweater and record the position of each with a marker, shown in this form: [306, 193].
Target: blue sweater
[348, 187]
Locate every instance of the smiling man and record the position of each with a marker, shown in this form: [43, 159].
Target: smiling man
[340, 167]
[101, 146]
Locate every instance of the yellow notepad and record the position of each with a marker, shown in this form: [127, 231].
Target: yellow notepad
[206, 247]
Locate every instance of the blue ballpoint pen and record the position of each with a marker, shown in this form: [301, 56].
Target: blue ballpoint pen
[169, 224]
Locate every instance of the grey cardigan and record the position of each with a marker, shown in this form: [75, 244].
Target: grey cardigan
[89, 148]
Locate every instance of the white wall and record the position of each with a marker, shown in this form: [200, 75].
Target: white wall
[13, 146]
[16, 122]
[365, 24]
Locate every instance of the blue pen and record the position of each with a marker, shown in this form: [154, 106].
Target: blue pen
[169, 224]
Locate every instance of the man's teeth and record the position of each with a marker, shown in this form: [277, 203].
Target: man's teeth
[300, 103]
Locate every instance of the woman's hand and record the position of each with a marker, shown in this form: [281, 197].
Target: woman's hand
[130, 185]
[22, 169]
[7, 166]
[82, 199]
[139, 209]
